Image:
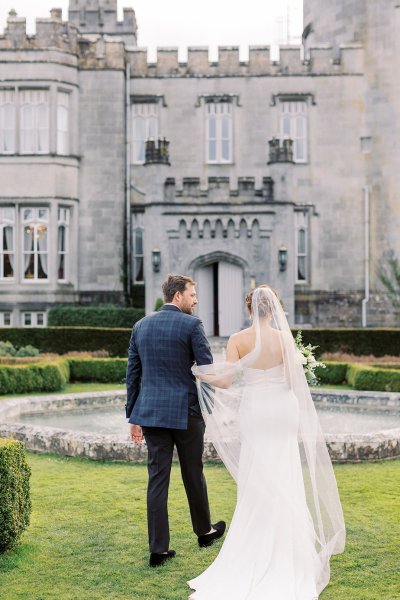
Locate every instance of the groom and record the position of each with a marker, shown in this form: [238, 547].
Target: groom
[162, 406]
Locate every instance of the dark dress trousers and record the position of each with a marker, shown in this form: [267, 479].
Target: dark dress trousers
[162, 398]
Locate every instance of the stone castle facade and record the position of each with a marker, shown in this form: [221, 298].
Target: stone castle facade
[116, 171]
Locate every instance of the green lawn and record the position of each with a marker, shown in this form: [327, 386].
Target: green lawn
[101, 387]
[73, 388]
[87, 539]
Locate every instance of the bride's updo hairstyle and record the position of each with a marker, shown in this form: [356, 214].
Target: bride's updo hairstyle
[264, 304]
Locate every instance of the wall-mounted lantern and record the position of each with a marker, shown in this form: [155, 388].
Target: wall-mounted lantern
[282, 258]
[156, 260]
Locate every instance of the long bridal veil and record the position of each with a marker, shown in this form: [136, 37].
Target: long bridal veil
[222, 389]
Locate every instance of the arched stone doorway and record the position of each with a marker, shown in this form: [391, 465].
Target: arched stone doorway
[220, 288]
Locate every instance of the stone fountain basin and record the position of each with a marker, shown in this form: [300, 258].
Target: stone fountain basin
[343, 447]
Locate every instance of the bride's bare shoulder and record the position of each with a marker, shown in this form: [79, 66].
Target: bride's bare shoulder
[242, 335]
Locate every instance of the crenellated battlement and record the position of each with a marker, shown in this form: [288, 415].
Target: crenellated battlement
[93, 51]
[50, 33]
[219, 190]
[321, 60]
[100, 16]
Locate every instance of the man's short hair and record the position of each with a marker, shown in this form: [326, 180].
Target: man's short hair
[175, 283]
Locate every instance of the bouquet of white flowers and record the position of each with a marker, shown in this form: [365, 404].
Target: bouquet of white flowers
[308, 360]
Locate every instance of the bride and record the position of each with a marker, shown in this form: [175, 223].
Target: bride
[261, 419]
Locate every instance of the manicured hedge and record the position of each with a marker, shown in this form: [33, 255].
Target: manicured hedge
[67, 339]
[106, 315]
[334, 373]
[379, 342]
[36, 377]
[60, 340]
[365, 377]
[105, 370]
[15, 503]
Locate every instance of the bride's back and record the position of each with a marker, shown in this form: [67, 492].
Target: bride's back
[244, 342]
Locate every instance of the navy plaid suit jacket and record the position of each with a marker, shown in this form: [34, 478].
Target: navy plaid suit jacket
[159, 381]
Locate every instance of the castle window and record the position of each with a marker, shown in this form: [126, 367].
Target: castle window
[34, 319]
[293, 125]
[137, 248]
[5, 319]
[35, 222]
[34, 126]
[301, 247]
[7, 247]
[7, 121]
[144, 127]
[63, 244]
[62, 123]
[219, 132]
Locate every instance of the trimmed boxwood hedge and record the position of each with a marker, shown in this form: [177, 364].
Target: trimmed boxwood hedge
[378, 342]
[35, 377]
[106, 315]
[115, 341]
[334, 373]
[15, 503]
[105, 370]
[61, 340]
[366, 377]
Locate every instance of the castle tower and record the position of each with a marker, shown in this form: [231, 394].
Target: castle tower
[100, 17]
[336, 22]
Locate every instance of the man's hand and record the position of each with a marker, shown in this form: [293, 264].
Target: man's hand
[136, 434]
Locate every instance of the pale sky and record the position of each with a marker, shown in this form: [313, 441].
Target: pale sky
[184, 23]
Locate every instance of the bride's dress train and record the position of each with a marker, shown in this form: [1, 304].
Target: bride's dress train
[269, 551]
[288, 519]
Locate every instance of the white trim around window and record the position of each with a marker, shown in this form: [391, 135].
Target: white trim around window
[219, 132]
[7, 121]
[293, 125]
[145, 126]
[302, 248]
[34, 121]
[34, 319]
[35, 243]
[63, 243]
[6, 318]
[7, 243]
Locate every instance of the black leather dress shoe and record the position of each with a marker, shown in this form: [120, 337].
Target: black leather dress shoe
[156, 559]
[209, 538]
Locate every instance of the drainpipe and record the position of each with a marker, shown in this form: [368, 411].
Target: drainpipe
[366, 256]
[127, 180]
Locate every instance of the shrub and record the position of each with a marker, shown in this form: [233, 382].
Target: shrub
[36, 377]
[159, 303]
[334, 373]
[15, 504]
[363, 377]
[61, 340]
[377, 342]
[7, 349]
[106, 315]
[105, 370]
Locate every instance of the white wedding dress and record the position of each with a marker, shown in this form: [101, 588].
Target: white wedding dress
[288, 519]
[269, 552]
